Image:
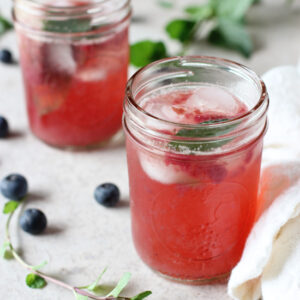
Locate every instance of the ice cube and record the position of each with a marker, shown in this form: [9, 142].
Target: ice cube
[60, 57]
[162, 107]
[91, 74]
[213, 99]
[98, 67]
[157, 169]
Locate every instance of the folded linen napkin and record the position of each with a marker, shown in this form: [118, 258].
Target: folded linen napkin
[270, 265]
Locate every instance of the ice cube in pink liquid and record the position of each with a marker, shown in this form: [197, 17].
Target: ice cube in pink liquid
[193, 106]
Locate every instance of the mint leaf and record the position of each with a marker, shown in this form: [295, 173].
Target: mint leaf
[165, 3]
[80, 297]
[200, 12]
[41, 265]
[68, 26]
[5, 25]
[5, 251]
[3, 248]
[120, 286]
[145, 52]
[35, 281]
[233, 35]
[203, 132]
[10, 207]
[142, 295]
[93, 286]
[232, 9]
[181, 30]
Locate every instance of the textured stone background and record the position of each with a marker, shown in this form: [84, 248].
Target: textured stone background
[83, 237]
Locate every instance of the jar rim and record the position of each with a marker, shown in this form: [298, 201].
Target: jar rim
[198, 58]
[109, 18]
[37, 4]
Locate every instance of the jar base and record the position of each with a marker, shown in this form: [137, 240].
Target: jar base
[116, 140]
[219, 279]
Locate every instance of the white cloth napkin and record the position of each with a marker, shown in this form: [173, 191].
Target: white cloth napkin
[270, 265]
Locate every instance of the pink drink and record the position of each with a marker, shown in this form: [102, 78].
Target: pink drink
[75, 73]
[191, 214]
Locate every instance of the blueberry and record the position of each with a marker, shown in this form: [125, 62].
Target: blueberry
[107, 194]
[33, 221]
[6, 56]
[14, 187]
[3, 127]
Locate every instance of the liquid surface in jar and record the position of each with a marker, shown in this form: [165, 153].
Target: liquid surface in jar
[194, 105]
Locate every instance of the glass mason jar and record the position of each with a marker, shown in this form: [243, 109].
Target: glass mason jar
[193, 185]
[74, 58]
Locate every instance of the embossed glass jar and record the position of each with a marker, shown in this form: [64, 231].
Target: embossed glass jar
[193, 187]
[74, 58]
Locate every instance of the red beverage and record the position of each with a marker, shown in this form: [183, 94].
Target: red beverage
[75, 74]
[192, 203]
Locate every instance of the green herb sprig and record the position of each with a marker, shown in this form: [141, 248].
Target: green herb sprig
[37, 279]
[228, 30]
[5, 25]
[203, 132]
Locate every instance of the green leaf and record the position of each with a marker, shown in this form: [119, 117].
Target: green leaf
[5, 251]
[165, 4]
[203, 132]
[93, 286]
[35, 281]
[5, 25]
[80, 297]
[200, 12]
[181, 30]
[232, 9]
[120, 286]
[142, 295]
[10, 207]
[145, 52]
[41, 265]
[68, 26]
[232, 35]
[3, 248]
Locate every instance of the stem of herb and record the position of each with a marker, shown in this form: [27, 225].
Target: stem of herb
[186, 45]
[46, 277]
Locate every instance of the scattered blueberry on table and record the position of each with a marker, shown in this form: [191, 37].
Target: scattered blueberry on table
[14, 187]
[33, 221]
[6, 56]
[107, 194]
[4, 128]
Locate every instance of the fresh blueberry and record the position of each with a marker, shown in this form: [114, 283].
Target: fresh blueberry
[14, 187]
[107, 194]
[6, 56]
[3, 127]
[33, 221]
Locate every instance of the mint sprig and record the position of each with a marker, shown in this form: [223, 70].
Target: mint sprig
[5, 25]
[141, 296]
[145, 52]
[203, 132]
[37, 279]
[181, 29]
[229, 30]
[10, 207]
[231, 34]
[165, 3]
[68, 26]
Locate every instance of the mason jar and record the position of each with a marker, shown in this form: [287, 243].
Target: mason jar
[74, 59]
[194, 136]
